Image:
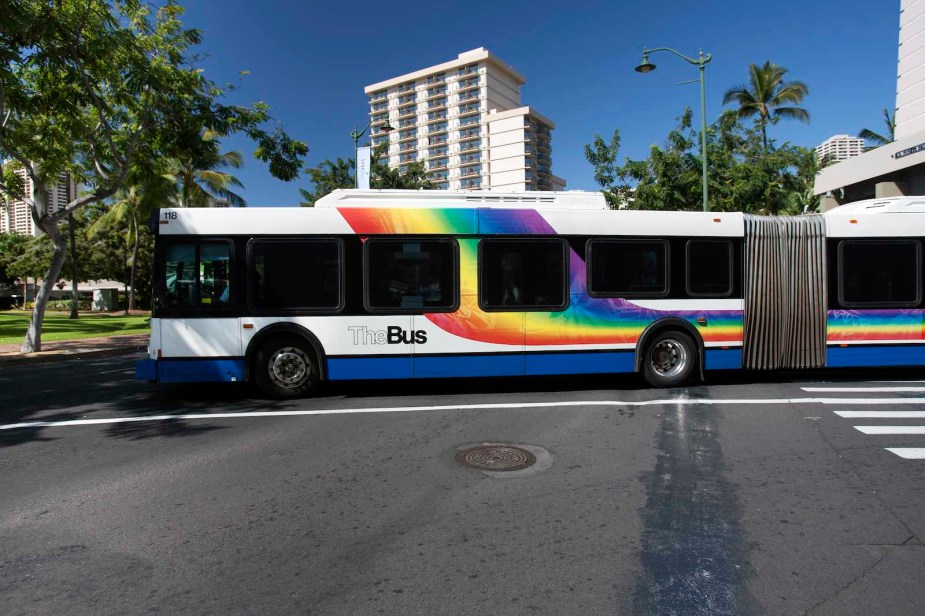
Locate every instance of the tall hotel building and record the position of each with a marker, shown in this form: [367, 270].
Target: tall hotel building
[465, 119]
[15, 216]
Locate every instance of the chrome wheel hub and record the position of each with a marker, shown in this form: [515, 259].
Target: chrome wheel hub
[289, 367]
[669, 358]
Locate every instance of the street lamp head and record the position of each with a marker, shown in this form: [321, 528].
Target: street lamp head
[387, 128]
[645, 66]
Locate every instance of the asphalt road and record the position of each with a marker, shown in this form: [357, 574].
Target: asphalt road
[752, 495]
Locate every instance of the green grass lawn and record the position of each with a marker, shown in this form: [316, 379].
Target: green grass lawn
[58, 326]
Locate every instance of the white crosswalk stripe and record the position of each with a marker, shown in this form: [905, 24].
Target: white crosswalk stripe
[908, 453]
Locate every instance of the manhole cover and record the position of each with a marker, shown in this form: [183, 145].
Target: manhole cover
[496, 458]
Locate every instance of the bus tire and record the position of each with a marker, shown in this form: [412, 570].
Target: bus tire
[286, 367]
[670, 359]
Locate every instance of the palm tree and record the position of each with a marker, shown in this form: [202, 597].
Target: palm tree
[133, 206]
[876, 138]
[200, 178]
[768, 97]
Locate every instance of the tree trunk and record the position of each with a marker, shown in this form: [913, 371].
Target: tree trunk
[74, 269]
[131, 278]
[33, 341]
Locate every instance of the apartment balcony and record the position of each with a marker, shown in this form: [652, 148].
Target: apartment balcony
[408, 158]
[381, 95]
[468, 86]
[442, 175]
[408, 146]
[470, 132]
[468, 96]
[436, 116]
[407, 112]
[406, 87]
[408, 137]
[435, 93]
[407, 123]
[466, 175]
[436, 79]
[436, 165]
[470, 120]
[470, 158]
[471, 183]
[470, 146]
[437, 138]
[438, 105]
[437, 152]
[405, 101]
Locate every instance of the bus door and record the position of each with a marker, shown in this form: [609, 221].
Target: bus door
[198, 330]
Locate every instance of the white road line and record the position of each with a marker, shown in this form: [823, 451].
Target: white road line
[891, 429]
[881, 414]
[868, 390]
[468, 407]
[909, 453]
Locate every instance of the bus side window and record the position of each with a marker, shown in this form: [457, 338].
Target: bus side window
[628, 268]
[180, 282]
[197, 274]
[709, 268]
[411, 275]
[214, 259]
[879, 272]
[523, 275]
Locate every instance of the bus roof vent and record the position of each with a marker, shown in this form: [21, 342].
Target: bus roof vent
[462, 198]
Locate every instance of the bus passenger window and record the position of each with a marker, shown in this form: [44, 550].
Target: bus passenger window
[213, 272]
[522, 275]
[180, 283]
[411, 275]
[709, 268]
[628, 268]
[879, 273]
[295, 274]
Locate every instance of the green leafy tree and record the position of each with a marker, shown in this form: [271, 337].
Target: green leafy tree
[326, 178]
[768, 98]
[95, 87]
[743, 175]
[329, 176]
[12, 246]
[875, 139]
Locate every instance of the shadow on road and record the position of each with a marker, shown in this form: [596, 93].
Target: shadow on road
[105, 387]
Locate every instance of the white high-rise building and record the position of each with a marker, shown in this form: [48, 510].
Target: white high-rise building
[15, 216]
[838, 148]
[464, 117]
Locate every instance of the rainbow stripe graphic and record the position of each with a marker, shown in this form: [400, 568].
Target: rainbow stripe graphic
[880, 325]
[587, 320]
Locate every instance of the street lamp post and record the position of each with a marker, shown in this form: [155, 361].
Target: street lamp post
[701, 61]
[355, 135]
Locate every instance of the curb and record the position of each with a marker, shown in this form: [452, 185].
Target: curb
[10, 362]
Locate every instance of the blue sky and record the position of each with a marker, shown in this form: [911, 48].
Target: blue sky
[310, 61]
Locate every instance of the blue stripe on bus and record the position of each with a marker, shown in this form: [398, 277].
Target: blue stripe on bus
[351, 368]
[200, 370]
[722, 359]
[511, 364]
[870, 356]
[501, 364]
[579, 363]
[146, 370]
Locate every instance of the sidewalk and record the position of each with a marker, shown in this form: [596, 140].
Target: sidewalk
[58, 350]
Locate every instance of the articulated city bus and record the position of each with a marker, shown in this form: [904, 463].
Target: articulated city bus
[424, 284]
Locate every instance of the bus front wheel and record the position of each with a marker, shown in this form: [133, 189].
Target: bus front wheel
[669, 359]
[286, 367]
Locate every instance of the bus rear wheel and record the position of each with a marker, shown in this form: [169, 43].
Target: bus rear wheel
[669, 359]
[286, 367]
